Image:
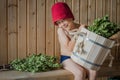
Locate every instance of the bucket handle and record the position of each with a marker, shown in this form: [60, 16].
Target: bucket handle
[80, 45]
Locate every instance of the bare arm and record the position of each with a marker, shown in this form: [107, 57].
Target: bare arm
[66, 43]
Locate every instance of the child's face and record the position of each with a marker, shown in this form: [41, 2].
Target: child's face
[66, 24]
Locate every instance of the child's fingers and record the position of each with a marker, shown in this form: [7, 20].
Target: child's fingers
[115, 36]
[82, 26]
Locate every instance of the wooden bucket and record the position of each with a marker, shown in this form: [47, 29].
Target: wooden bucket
[91, 50]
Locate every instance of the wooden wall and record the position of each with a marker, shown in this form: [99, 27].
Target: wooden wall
[26, 26]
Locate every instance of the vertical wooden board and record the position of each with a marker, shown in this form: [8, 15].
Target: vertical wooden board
[49, 29]
[108, 7]
[22, 28]
[27, 35]
[83, 11]
[41, 26]
[103, 8]
[118, 22]
[31, 27]
[113, 11]
[99, 8]
[118, 11]
[108, 10]
[12, 30]
[57, 45]
[91, 11]
[59, 0]
[113, 18]
[69, 3]
[3, 33]
[76, 10]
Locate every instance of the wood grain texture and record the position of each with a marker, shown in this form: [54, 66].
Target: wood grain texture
[3, 33]
[12, 30]
[22, 29]
[26, 26]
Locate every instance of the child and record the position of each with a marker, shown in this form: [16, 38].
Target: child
[63, 18]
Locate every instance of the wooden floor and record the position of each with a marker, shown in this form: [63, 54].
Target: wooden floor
[56, 74]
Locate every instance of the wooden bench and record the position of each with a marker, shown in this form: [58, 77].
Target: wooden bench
[55, 74]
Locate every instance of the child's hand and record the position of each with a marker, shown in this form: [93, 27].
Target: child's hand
[115, 36]
[82, 26]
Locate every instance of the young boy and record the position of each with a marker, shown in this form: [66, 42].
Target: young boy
[64, 19]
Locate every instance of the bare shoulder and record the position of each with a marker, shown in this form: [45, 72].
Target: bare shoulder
[60, 31]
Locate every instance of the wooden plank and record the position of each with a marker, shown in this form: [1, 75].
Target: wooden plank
[31, 27]
[118, 11]
[61, 74]
[12, 30]
[103, 8]
[3, 32]
[76, 10]
[49, 29]
[51, 75]
[83, 11]
[41, 26]
[113, 18]
[91, 11]
[22, 28]
[113, 11]
[69, 3]
[27, 12]
[57, 45]
[59, 0]
[108, 10]
[107, 7]
[118, 22]
[99, 8]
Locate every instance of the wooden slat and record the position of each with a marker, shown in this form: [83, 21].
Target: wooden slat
[76, 10]
[59, 0]
[3, 32]
[41, 26]
[12, 30]
[22, 28]
[69, 3]
[113, 11]
[108, 7]
[50, 75]
[49, 29]
[113, 18]
[103, 8]
[83, 11]
[99, 8]
[57, 45]
[91, 11]
[118, 22]
[118, 11]
[32, 26]
[57, 74]
[27, 31]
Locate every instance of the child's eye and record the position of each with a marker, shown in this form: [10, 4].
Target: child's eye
[57, 22]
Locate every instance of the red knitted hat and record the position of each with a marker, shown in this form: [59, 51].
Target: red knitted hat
[61, 10]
